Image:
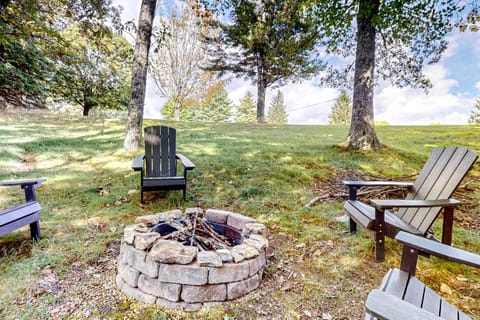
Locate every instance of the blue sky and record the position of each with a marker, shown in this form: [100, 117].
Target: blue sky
[456, 80]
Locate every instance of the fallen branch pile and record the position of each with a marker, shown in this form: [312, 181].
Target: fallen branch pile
[195, 231]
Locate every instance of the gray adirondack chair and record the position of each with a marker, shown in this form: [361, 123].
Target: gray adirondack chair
[431, 192]
[403, 296]
[23, 214]
[158, 165]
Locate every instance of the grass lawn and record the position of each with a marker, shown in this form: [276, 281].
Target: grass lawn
[316, 269]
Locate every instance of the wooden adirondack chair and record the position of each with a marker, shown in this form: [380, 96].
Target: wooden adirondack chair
[403, 296]
[440, 176]
[27, 213]
[158, 166]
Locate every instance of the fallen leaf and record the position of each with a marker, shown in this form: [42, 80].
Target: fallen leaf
[445, 289]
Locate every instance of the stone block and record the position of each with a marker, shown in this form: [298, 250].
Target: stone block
[254, 228]
[125, 250]
[209, 259]
[225, 255]
[169, 291]
[184, 274]
[238, 221]
[246, 251]
[129, 275]
[229, 272]
[237, 289]
[143, 263]
[178, 305]
[119, 282]
[210, 292]
[139, 294]
[193, 211]
[143, 241]
[169, 251]
[129, 233]
[255, 265]
[218, 216]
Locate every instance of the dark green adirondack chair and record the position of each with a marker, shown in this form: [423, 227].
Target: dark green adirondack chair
[431, 192]
[158, 166]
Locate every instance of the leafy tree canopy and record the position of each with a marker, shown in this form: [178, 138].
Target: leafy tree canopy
[475, 115]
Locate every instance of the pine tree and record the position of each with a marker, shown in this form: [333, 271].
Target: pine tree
[475, 115]
[219, 109]
[341, 112]
[277, 113]
[247, 110]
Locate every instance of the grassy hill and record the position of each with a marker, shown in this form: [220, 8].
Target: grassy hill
[268, 172]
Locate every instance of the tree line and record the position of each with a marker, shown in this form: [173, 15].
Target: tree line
[71, 51]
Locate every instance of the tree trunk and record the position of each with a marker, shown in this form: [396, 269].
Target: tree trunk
[86, 110]
[176, 112]
[261, 89]
[133, 134]
[362, 134]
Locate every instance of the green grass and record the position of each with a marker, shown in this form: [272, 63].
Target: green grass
[263, 171]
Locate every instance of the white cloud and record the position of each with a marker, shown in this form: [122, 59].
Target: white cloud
[449, 102]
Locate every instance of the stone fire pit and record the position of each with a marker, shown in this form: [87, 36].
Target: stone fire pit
[176, 276]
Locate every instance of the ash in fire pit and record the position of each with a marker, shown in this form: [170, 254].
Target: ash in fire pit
[191, 260]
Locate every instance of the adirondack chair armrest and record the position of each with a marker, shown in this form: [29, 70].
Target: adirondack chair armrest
[187, 164]
[23, 183]
[354, 185]
[137, 164]
[415, 243]
[365, 183]
[388, 204]
[385, 306]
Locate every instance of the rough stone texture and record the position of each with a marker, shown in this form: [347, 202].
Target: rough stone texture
[170, 215]
[225, 255]
[256, 241]
[218, 216]
[129, 233]
[192, 211]
[129, 275]
[179, 305]
[229, 272]
[209, 259]
[237, 257]
[238, 289]
[183, 274]
[214, 292]
[169, 291]
[144, 241]
[254, 228]
[246, 251]
[255, 265]
[138, 294]
[238, 221]
[119, 282]
[124, 255]
[169, 251]
[143, 263]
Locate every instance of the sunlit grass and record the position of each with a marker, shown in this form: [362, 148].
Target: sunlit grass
[263, 171]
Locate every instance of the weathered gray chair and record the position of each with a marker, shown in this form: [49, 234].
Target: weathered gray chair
[27, 213]
[158, 166]
[403, 296]
[440, 176]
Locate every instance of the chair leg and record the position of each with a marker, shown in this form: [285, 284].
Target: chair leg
[379, 235]
[184, 194]
[447, 226]
[353, 226]
[35, 230]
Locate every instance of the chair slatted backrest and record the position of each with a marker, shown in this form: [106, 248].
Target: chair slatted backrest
[160, 144]
[440, 176]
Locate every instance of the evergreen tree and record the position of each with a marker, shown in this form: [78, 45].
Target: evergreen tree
[341, 112]
[218, 109]
[277, 113]
[268, 42]
[246, 111]
[475, 115]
